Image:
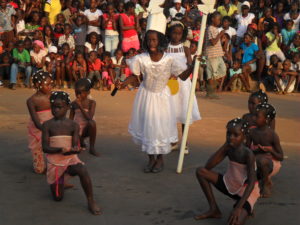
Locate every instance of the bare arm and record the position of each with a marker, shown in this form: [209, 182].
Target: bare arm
[33, 114]
[277, 152]
[217, 157]
[75, 136]
[72, 112]
[215, 40]
[90, 114]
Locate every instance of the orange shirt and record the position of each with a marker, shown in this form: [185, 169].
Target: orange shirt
[261, 23]
[95, 66]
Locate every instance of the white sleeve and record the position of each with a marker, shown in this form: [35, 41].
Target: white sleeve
[134, 64]
[287, 16]
[233, 32]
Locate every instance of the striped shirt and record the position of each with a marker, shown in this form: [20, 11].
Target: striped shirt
[212, 51]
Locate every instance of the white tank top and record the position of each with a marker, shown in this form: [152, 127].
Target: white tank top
[178, 53]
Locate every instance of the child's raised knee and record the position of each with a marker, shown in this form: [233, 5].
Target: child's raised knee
[263, 162]
[92, 123]
[201, 171]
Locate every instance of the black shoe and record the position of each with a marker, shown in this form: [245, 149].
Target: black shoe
[148, 169]
[157, 169]
[12, 86]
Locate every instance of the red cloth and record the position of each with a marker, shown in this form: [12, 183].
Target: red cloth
[95, 66]
[14, 5]
[128, 21]
[196, 35]
[109, 24]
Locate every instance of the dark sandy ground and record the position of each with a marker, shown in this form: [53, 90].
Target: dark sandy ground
[126, 194]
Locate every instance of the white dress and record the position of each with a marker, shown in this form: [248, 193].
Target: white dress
[153, 122]
[181, 99]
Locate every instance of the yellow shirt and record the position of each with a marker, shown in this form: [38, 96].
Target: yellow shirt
[232, 8]
[274, 46]
[53, 7]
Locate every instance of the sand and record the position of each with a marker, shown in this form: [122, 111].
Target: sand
[127, 195]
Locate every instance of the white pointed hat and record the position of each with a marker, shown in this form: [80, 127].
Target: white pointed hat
[156, 19]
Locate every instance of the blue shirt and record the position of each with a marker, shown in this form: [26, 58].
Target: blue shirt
[249, 52]
[288, 36]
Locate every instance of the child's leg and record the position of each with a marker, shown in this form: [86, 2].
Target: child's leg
[159, 164]
[57, 189]
[291, 80]
[246, 73]
[264, 169]
[150, 164]
[277, 81]
[221, 80]
[90, 131]
[86, 184]
[59, 77]
[232, 79]
[205, 178]
[241, 219]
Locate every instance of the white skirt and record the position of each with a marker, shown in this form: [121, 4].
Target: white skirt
[153, 122]
[181, 100]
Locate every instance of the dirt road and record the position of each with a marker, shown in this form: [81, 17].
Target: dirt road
[126, 194]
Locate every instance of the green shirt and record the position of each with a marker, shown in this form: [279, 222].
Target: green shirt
[23, 57]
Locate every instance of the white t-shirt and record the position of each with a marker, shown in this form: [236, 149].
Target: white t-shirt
[20, 26]
[89, 46]
[38, 56]
[296, 21]
[243, 23]
[231, 31]
[93, 16]
[173, 11]
[115, 62]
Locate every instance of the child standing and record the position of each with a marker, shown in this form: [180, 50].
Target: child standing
[54, 67]
[238, 182]
[153, 122]
[266, 146]
[182, 57]
[39, 109]
[60, 142]
[67, 58]
[82, 112]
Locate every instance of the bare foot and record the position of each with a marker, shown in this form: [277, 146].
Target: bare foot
[68, 186]
[94, 208]
[94, 153]
[209, 214]
[266, 190]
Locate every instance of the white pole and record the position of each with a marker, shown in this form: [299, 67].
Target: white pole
[194, 81]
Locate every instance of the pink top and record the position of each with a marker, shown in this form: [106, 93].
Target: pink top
[235, 178]
[128, 21]
[109, 24]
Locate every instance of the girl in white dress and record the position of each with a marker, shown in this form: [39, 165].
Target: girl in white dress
[153, 122]
[182, 56]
